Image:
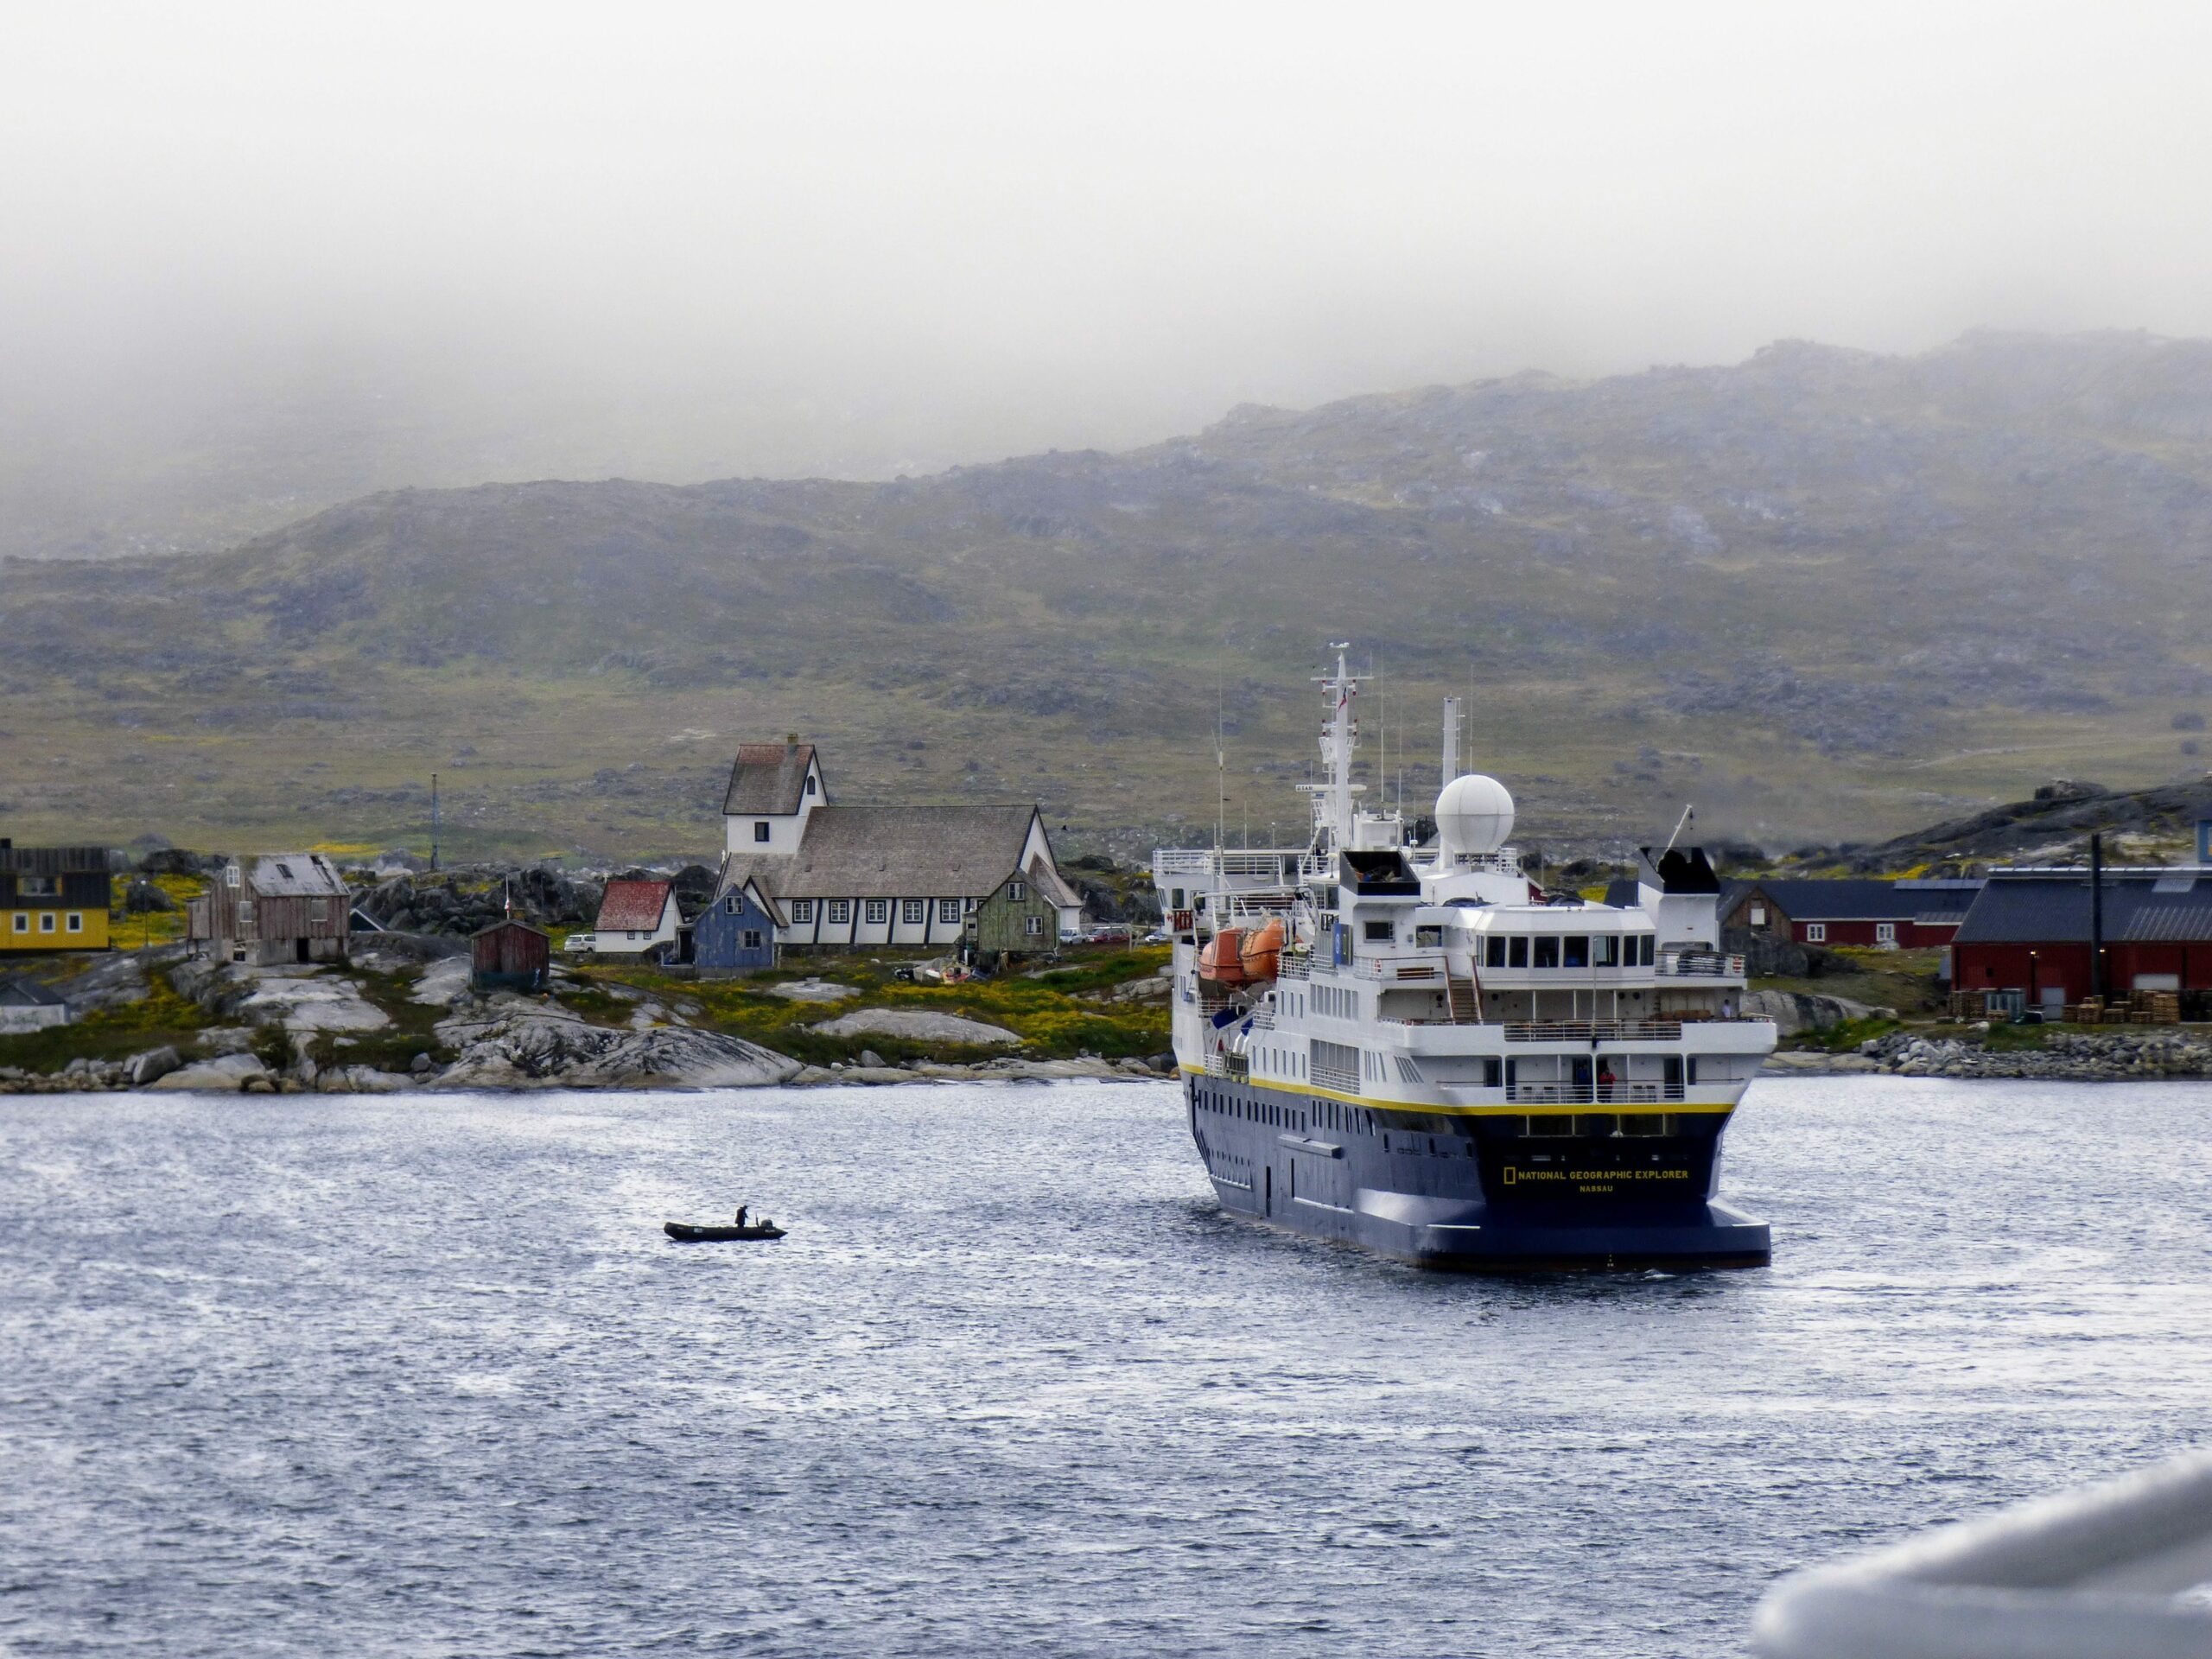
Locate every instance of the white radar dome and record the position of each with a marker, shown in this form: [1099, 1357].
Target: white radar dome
[1474, 814]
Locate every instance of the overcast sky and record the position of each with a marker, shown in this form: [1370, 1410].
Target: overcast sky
[687, 241]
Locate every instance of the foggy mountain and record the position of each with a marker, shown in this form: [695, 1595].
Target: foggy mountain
[1820, 590]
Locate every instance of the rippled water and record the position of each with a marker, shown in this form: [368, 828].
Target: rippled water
[369, 1377]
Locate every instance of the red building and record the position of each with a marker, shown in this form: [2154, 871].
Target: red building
[1900, 915]
[2030, 931]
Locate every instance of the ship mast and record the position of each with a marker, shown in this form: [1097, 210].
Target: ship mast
[1339, 737]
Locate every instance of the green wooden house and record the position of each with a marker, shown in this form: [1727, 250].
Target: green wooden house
[1022, 916]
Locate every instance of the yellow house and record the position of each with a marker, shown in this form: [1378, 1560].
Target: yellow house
[53, 897]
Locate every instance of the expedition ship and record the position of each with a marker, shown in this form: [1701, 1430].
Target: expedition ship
[1415, 1049]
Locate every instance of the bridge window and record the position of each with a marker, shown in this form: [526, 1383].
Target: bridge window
[1547, 950]
[1516, 955]
[1605, 950]
[1378, 932]
[1576, 951]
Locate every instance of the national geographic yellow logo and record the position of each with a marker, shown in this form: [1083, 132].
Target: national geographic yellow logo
[1515, 1175]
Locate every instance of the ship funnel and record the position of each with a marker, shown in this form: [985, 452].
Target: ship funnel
[1474, 814]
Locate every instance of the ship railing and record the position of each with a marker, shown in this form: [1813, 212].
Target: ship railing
[1263, 1019]
[1293, 967]
[1404, 970]
[1505, 863]
[1700, 965]
[1592, 1094]
[1593, 1031]
[1272, 901]
[1285, 864]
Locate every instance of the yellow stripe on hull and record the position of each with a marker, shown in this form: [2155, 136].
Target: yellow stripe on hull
[1542, 1108]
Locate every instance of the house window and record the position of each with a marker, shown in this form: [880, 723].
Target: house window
[22, 922]
[734, 906]
[1885, 933]
[319, 909]
[34, 887]
[752, 938]
[760, 829]
[231, 875]
[1036, 923]
[914, 911]
[46, 921]
[245, 912]
[879, 910]
[1815, 932]
[840, 911]
[633, 933]
[802, 910]
[1017, 891]
[972, 904]
[948, 910]
[1759, 915]
[76, 922]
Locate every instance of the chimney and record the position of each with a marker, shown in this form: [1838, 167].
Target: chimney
[790, 740]
[2097, 916]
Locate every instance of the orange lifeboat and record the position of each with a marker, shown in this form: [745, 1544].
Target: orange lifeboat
[1222, 960]
[1263, 951]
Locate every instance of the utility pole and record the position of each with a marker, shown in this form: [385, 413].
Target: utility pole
[434, 821]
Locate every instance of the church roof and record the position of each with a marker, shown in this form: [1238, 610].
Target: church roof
[769, 780]
[894, 852]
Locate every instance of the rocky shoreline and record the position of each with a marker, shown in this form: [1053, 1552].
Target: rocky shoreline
[164, 1070]
[2124, 1055]
[400, 1018]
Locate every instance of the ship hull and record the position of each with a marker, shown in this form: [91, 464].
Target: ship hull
[1474, 1193]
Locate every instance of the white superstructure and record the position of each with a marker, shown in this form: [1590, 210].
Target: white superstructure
[1436, 988]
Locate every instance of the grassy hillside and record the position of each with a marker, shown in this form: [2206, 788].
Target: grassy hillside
[1820, 593]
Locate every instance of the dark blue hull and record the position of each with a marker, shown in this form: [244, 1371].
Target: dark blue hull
[1498, 1193]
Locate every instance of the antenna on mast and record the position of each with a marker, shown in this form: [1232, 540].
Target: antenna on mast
[1220, 770]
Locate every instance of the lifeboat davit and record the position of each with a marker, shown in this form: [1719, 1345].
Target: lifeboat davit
[1263, 950]
[1222, 960]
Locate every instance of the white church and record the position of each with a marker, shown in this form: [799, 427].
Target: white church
[833, 875]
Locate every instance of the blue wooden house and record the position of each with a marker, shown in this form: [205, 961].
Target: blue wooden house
[737, 932]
